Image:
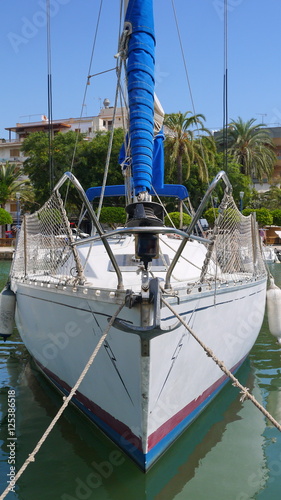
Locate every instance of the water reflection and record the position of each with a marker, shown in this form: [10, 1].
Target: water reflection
[266, 360]
[79, 462]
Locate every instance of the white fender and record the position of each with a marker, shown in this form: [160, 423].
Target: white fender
[7, 312]
[273, 301]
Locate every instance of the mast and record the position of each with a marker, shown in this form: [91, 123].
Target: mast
[139, 27]
[139, 24]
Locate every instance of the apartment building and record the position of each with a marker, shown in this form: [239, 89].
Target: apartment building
[10, 148]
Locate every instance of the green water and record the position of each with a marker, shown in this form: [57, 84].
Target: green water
[229, 453]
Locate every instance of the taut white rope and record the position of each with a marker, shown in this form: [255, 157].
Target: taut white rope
[244, 390]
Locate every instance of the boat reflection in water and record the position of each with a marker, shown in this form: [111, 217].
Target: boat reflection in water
[222, 450]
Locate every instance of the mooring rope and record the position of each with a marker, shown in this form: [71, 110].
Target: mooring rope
[244, 390]
[67, 399]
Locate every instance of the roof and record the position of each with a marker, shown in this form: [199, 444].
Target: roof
[37, 126]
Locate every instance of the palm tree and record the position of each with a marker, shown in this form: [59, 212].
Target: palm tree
[251, 147]
[10, 182]
[186, 145]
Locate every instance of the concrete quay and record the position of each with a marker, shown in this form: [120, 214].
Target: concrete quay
[7, 253]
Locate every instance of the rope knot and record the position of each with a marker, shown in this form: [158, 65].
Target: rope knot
[245, 394]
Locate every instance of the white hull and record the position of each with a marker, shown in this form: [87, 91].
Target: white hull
[143, 396]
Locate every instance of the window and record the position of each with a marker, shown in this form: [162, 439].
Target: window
[14, 152]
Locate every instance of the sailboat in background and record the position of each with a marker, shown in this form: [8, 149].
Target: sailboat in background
[150, 378]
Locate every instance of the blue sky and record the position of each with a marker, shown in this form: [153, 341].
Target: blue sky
[254, 72]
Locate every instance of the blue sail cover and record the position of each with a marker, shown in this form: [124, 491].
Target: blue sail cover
[140, 75]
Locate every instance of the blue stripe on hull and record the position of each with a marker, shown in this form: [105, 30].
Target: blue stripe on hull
[169, 439]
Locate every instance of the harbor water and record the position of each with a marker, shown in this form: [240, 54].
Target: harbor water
[230, 453]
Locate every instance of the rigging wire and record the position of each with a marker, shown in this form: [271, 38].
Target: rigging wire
[189, 85]
[50, 98]
[106, 168]
[124, 106]
[109, 148]
[85, 92]
[225, 89]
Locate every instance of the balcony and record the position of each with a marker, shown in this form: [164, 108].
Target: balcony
[6, 142]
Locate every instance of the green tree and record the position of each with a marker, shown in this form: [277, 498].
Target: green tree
[91, 158]
[251, 147]
[5, 217]
[113, 216]
[37, 167]
[10, 182]
[239, 181]
[270, 199]
[88, 163]
[184, 146]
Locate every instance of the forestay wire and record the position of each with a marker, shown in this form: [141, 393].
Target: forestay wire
[189, 84]
[50, 99]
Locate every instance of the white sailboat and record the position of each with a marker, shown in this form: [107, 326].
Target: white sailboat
[150, 378]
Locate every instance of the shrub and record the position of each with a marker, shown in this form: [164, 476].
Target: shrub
[47, 215]
[211, 214]
[175, 217]
[263, 215]
[276, 217]
[248, 211]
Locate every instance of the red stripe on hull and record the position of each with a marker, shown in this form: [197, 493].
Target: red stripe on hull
[108, 419]
[122, 429]
[168, 426]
